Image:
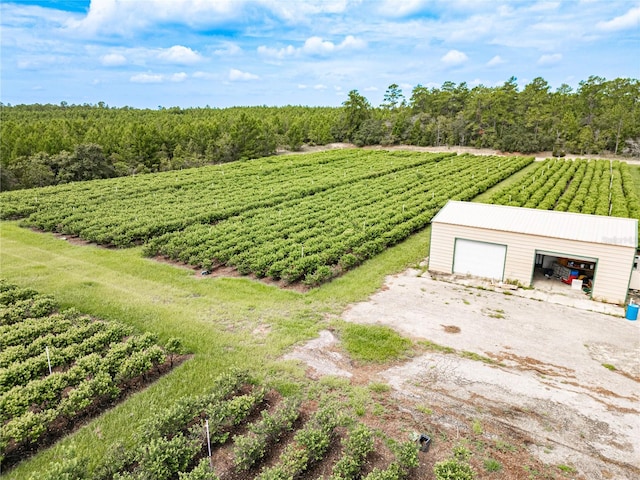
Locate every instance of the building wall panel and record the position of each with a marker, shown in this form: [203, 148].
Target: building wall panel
[611, 280]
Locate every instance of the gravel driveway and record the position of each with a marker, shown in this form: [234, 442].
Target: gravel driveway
[568, 377]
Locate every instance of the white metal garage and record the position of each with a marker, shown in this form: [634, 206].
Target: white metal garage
[509, 243]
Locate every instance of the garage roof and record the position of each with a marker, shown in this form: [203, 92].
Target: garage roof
[546, 223]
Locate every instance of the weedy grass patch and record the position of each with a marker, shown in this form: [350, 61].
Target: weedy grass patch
[374, 343]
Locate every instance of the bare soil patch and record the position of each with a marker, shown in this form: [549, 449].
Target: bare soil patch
[451, 328]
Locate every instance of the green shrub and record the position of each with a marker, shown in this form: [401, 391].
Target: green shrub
[392, 472]
[162, 458]
[321, 275]
[406, 455]
[70, 468]
[348, 261]
[202, 471]
[250, 448]
[357, 446]
[461, 452]
[453, 469]
[310, 445]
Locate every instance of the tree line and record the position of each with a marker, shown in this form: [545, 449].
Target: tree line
[52, 144]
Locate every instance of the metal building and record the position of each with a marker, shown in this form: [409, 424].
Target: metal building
[519, 244]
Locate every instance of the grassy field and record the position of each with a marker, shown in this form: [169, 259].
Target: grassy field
[223, 321]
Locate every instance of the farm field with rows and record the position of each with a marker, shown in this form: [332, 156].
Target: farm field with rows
[59, 367]
[294, 218]
[125, 211]
[598, 187]
[240, 429]
[235, 322]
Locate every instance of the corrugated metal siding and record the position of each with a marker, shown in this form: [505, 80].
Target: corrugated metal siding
[441, 248]
[563, 225]
[611, 276]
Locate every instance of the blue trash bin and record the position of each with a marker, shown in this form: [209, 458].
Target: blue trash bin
[632, 311]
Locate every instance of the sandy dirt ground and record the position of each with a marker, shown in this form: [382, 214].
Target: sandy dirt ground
[457, 149]
[526, 364]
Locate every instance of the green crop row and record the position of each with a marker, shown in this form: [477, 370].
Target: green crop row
[317, 237]
[19, 373]
[599, 187]
[57, 367]
[125, 211]
[309, 445]
[251, 448]
[356, 446]
[175, 442]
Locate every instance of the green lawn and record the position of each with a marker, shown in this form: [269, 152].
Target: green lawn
[216, 318]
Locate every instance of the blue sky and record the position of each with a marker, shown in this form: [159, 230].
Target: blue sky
[221, 53]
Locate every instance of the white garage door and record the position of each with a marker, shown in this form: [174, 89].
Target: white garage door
[480, 259]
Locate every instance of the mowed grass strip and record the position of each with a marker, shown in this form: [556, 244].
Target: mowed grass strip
[224, 321]
[507, 182]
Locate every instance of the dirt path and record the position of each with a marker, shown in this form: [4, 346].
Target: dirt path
[459, 150]
[531, 368]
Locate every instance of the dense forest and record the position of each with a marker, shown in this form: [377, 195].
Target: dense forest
[53, 144]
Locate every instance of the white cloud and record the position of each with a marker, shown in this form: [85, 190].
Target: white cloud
[317, 86]
[128, 17]
[548, 28]
[350, 42]
[317, 46]
[18, 14]
[205, 75]
[393, 8]
[631, 19]
[313, 43]
[313, 46]
[454, 57]
[278, 53]
[179, 54]
[544, 6]
[238, 75]
[228, 49]
[158, 78]
[178, 77]
[146, 78]
[497, 60]
[550, 59]
[113, 60]
[34, 62]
